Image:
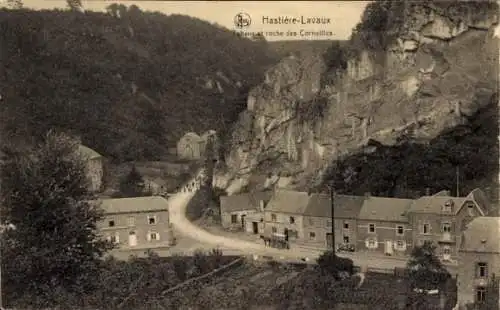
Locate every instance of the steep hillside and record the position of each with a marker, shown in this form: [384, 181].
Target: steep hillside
[411, 97]
[130, 83]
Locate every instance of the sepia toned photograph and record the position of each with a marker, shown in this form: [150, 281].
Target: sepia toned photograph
[248, 155]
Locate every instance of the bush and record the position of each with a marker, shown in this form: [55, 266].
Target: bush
[334, 265]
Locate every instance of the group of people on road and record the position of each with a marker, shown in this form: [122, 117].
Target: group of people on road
[275, 243]
[192, 186]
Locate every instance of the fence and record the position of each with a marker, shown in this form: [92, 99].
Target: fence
[235, 263]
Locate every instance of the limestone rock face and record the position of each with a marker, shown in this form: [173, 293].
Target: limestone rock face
[440, 69]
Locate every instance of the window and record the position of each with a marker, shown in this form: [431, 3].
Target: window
[400, 244]
[446, 250]
[153, 236]
[311, 221]
[470, 209]
[234, 218]
[152, 219]
[131, 221]
[346, 239]
[447, 207]
[481, 270]
[312, 235]
[371, 228]
[372, 243]
[400, 230]
[292, 220]
[446, 227]
[111, 223]
[328, 223]
[426, 228]
[274, 230]
[115, 238]
[346, 225]
[480, 294]
[273, 217]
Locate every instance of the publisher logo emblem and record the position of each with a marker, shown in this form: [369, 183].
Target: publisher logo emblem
[242, 20]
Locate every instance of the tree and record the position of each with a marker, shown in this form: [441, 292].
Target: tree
[334, 265]
[426, 271]
[133, 184]
[15, 4]
[75, 5]
[54, 246]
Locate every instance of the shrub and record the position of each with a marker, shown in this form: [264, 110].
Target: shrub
[334, 265]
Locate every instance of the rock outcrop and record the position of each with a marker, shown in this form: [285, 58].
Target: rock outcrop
[439, 70]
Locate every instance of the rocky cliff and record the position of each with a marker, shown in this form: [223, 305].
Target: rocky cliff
[437, 72]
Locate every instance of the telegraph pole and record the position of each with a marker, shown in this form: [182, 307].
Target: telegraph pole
[332, 200]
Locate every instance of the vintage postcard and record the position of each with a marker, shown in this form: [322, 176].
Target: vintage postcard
[249, 155]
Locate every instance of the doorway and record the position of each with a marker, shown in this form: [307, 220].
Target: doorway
[255, 227]
[132, 239]
[388, 247]
[243, 221]
[329, 241]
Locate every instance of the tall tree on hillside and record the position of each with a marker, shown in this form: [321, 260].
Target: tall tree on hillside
[15, 4]
[75, 5]
[54, 246]
[133, 184]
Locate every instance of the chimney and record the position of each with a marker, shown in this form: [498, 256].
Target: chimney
[488, 194]
[427, 191]
[368, 194]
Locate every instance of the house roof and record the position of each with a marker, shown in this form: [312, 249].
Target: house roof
[288, 201]
[345, 206]
[482, 200]
[385, 209]
[243, 201]
[135, 204]
[88, 152]
[481, 235]
[191, 136]
[434, 204]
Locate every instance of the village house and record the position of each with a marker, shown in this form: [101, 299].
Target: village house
[383, 225]
[236, 209]
[441, 218]
[284, 215]
[318, 221]
[139, 222]
[190, 146]
[479, 264]
[94, 167]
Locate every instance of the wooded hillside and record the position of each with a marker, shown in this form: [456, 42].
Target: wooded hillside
[129, 83]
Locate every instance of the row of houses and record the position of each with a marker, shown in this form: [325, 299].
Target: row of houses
[364, 223]
[465, 230]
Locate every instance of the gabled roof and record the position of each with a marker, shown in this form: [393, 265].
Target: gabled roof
[480, 198]
[88, 153]
[344, 206]
[134, 204]
[481, 235]
[243, 201]
[385, 209]
[288, 201]
[434, 204]
[191, 136]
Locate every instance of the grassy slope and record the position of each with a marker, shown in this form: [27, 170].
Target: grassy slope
[77, 72]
